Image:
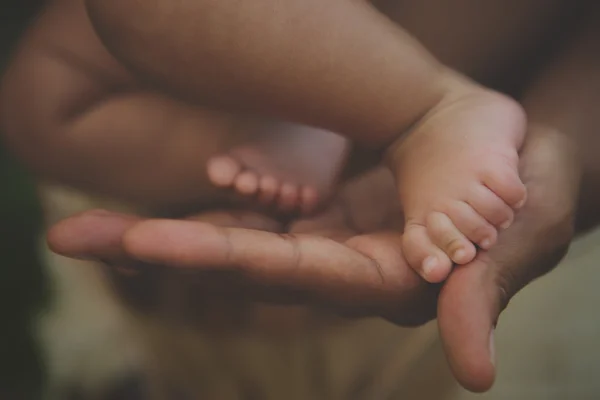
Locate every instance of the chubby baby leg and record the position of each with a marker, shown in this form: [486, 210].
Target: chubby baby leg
[96, 127]
[477, 44]
[75, 116]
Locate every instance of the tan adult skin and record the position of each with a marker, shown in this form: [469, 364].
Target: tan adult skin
[351, 259]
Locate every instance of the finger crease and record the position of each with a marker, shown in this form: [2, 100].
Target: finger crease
[296, 249]
[229, 253]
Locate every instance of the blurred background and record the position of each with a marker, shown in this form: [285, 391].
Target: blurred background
[22, 291]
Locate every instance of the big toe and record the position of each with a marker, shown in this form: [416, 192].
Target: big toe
[423, 255]
[223, 170]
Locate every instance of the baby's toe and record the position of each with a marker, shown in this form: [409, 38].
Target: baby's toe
[268, 189]
[423, 256]
[506, 184]
[446, 236]
[223, 170]
[288, 197]
[246, 183]
[309, 199]
[476, 228]
[491, 207]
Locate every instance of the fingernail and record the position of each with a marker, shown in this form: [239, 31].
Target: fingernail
[486, 244]
[521, 203]
[492, 348]
[459, 255]
[429, 265]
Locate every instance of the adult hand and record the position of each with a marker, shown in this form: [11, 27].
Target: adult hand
[228, 240]
[349, 257]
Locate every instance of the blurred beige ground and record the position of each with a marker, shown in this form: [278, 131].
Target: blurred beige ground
[547, 340]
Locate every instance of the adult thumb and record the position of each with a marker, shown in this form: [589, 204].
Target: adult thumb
[468, 308]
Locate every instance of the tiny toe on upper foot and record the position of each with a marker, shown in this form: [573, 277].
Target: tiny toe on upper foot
[491, 207]
[489, 241]
[223, 170]
[468, 221]
[506, 184]
[446, 236]
[423, 256]
[521, 203]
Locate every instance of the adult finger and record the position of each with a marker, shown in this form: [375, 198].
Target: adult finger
[239, 219]
[99, 233]
[367, 270]
[94, 234]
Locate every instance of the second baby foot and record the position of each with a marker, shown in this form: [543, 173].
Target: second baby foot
[458, 180]
[291, 168]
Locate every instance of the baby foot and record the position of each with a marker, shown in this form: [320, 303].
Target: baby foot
[292, 168]
[457, 175]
